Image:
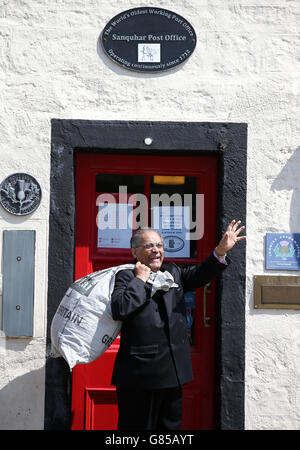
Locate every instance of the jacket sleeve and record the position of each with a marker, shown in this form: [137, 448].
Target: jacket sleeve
[198, 275]
[129, 294]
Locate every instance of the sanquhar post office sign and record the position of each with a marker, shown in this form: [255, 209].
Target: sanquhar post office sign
[148, 39]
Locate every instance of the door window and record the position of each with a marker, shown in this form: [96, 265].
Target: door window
[169, 204]
[117, 209]
[173, 212]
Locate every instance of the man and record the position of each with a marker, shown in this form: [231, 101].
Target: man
[153, 360]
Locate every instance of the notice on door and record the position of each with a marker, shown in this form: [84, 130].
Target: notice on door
[173, 222]
[113, 221]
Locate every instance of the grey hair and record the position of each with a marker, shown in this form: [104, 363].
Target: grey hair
[135, 238]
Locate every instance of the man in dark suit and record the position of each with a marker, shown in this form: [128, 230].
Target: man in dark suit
[153, 360]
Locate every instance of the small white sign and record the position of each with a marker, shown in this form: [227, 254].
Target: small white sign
[148, 52]
[173, 222]
[113, 227]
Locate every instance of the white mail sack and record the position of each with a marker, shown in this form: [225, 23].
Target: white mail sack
[82, 327]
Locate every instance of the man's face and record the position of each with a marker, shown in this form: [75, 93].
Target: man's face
[150, 255]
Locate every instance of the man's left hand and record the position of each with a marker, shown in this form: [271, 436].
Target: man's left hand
[230, 238]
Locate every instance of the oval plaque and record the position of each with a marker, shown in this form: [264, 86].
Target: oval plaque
[173, 243]
[148, 39]
[20, 194]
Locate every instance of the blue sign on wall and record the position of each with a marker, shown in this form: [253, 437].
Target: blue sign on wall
[283, 251]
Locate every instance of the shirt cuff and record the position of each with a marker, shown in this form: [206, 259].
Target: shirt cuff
[222, 259]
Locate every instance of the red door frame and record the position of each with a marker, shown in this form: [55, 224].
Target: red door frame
[87, 165]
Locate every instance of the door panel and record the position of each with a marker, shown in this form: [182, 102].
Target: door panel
[100, 409]
[93, 398]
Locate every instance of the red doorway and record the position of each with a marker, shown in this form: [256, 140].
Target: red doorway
[93, 399]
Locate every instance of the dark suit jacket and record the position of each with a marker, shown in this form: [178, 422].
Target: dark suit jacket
[154, 349]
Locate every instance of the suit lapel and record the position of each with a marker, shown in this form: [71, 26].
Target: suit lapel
[169, 299]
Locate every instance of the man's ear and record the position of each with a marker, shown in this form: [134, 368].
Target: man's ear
[133, 252]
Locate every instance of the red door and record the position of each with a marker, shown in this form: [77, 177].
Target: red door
[143, 180]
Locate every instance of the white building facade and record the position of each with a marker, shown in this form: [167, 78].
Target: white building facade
[244, 70]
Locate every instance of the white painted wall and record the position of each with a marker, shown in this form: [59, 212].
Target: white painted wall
[245, 69]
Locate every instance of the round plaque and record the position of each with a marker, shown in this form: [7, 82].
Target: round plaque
[148, 39]
[173, 243]
[20, 194]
